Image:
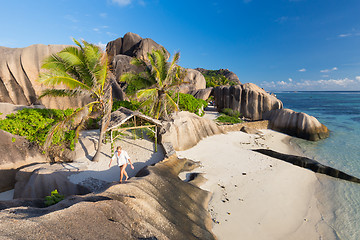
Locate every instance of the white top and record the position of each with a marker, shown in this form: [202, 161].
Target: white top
[122, 159]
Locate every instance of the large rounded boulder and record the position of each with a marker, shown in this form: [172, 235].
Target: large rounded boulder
[19, 71]
[16, 152]
[132, 45]
[185, 130]
[296, 124]
[248, 99]
[193, 81]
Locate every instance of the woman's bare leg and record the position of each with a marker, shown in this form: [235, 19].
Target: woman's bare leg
[122, 169]
[126, 175]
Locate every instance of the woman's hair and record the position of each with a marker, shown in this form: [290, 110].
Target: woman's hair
[118, 148]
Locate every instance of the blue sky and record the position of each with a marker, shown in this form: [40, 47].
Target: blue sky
[277, 44]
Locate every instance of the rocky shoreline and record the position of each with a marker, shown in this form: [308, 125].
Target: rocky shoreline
[155, 203]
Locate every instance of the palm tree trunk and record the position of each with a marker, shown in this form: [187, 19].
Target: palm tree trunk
[104, 121]
[96, 157]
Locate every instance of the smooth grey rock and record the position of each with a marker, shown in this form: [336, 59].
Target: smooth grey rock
[15, 152]
[193, 81]
[296, 124]
[248, 99]
[19, 71]
[158, 205]
[250, 130]
[132, 45]
[121, 64]
[37, 181]
[146, 46]
[185, 130]
[203, 94]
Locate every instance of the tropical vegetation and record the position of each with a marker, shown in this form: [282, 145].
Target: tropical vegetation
[35, 124]
[154, 86]
[229, 116]
[83, 69]
[215, 78]
[188, 102]
[54, 198]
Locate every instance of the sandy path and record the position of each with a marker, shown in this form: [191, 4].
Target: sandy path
[255, 196]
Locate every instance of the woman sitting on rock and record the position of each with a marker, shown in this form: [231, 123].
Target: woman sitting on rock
[122, 159]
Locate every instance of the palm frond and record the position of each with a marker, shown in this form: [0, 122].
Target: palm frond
[52, 79]
[60, 93]
[66, 123]
[138, 62]
[147, 93]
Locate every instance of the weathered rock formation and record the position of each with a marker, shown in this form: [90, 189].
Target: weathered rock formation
[250, 100]
[203, 94]
[19, 71]
[193, 81]
[309, 164]
[185, 130]
[121, 64]
[37, 181]
[156, 205]
[225, 72]
[296, 124]
[132, 45]
[15, 152]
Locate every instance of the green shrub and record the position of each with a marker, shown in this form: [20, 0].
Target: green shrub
[215, 78]
[189, 103]
[229, 116]
[228, 119]
[54, 198]
[34, 124]
[230, 112]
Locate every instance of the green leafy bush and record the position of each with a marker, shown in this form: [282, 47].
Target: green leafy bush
[54, 198]
[231, 112]
[215, 78]
[229, 116]
[34, 124]
[189, 103]
[228, 119]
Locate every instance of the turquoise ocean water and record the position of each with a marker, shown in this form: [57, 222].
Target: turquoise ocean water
[340, 112]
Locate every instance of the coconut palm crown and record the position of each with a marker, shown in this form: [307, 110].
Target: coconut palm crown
[83, 69]
[161, 77]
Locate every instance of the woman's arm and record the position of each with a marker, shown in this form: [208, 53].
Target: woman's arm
[131, 165]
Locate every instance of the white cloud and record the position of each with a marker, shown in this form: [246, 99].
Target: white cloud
[103, 15]
[122, 2]
[345, 35]
[102, 45]
[96, 29]
[290, 80]
[111, 34]
[328, 84]
[302, 70]
[329, 70]
[71, 18]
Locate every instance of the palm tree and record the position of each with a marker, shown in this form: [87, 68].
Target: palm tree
[83, 69]
[161, 77]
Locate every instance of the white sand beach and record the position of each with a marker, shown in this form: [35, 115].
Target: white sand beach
[255, 196]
